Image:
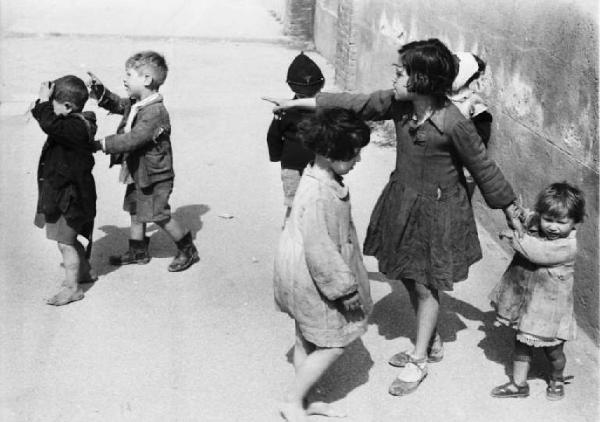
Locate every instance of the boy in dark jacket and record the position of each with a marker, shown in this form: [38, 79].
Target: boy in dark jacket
[142, 146]
[66, 190]
[304, 78]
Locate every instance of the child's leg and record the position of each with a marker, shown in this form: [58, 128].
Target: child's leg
[70, 290]
[313, 365]
[518, 387]
[187, 254]
[427, 309]
[558, 361]
[137, 231]
[137, 253]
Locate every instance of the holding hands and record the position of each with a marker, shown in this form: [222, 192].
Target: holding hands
[95, 86]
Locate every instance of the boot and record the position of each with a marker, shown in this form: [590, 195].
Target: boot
[187, 254]
[137, 253]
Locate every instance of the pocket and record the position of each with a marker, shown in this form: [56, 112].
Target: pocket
[157, 161]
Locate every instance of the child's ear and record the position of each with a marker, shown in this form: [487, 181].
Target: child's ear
[147, 80]
[68, 106]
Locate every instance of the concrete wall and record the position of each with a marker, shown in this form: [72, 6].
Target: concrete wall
[542, 84]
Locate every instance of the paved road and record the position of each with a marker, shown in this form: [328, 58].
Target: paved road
[206, 344]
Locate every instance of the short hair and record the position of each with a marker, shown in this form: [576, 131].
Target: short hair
[70, 89]
[151, 61]
[334, 133]
[430, 67]
[561, 199]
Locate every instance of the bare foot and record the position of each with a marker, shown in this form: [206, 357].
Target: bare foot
[66, 295]
[325, 409]
[292, 412]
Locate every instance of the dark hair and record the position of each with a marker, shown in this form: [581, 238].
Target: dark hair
[430, 67]
[152, 62]
[70, 89]
[561, 199]
[334, 133]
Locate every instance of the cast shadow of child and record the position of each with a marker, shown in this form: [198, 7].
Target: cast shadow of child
[161, 246]
[347, 373]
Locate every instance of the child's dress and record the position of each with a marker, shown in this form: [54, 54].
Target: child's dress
[422, 226]
[319, 261]
[535, 294]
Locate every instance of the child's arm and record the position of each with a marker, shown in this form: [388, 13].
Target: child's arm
[148, 127]
[545, 252]
[105, 98]
[275, 140]
[374, 106]
[331, 274]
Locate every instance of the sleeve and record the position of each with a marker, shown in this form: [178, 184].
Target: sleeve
[113, 103]
[375, 106]
[545, 252]
[146, 128]
[483, 125]
[275, 140]
[332, 276]
[67, 131]
[495, 189]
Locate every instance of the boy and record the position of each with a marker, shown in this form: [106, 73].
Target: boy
[306, 80]
[66, 190]
[142, 146]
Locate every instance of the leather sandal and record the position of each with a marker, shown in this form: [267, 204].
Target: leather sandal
[400, 387]
[510, 389]
[400, 359]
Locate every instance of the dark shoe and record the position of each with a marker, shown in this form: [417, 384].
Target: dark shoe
[137, 253]
[187, 254]
[400, 387]
[510, 389]
[556, 388]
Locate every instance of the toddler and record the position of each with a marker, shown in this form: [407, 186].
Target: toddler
[320, 279]
[66, 190]
[535, 295]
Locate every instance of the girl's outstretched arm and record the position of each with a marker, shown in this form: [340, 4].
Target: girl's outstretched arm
[285, 103]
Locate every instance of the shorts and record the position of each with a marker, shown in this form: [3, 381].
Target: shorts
[59, 231]
[149, 204]
[290, 179]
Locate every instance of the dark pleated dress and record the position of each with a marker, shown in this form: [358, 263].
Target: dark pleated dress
[422, 227]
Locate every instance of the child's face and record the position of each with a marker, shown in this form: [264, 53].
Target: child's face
[61, 109]
[400, 82]
[556, 227]
[136, 81]
[341, 168]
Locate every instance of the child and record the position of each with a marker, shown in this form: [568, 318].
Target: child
[142, 146]
[320, 279]
[66, 190]
[422, 230]
[535, 295]
[304, 78]
[464, 95]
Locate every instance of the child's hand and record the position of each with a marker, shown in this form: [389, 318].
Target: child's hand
[506, 234]
[351, 302]
[513, 213]
[46, 89]
[95, 85]
[280, 103]
[97, 145]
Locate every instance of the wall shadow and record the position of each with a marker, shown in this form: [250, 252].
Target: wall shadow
[161, 246]
[347, 373]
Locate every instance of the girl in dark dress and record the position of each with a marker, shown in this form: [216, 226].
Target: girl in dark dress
[422, 230]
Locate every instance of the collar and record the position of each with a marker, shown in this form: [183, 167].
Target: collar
[437, 119]
[326, 178]
[151, 99]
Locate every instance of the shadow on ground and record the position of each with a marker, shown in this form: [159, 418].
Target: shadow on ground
[161, 246]
[394, 317]
[347, 373]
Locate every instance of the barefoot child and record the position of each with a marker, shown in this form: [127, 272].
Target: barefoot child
[304, 78]
[142, 146]
[66, 190]
[320, 279]
[535, 295]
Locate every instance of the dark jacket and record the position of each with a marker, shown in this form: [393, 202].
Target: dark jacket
[283, 142]
[65, 181]
[147, 146]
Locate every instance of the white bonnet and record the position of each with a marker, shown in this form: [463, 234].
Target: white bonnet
[467, 67]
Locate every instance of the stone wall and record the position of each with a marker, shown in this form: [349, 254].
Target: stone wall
[541, 84]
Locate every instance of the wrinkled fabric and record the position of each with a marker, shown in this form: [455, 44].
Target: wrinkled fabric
[535, 294]
[319, 261]
[422, 226]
